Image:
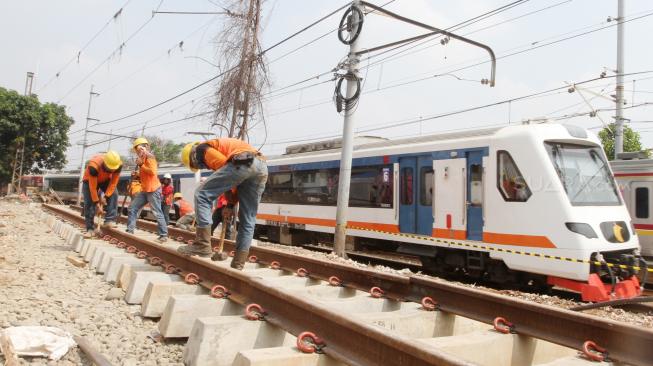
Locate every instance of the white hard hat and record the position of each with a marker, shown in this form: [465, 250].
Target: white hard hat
[167, 175]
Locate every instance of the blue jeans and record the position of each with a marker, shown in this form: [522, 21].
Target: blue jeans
[250, 182]
[111, 211]
[154, 199]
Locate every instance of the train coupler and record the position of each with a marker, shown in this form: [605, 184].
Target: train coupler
[594, 290]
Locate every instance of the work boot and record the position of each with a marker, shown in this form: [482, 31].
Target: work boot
[88, 234]
[110, 224]
[201, 245]
[239, 259]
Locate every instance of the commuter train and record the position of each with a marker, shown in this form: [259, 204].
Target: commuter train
[634, 174]
[530, 204]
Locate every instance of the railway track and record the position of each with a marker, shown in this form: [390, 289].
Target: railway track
[357, 325]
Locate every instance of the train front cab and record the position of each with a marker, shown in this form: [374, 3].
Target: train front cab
[513, 207]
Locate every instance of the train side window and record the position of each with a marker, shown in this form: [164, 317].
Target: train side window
[407, 186]
[476, 185]
[426, 184]
[510, 181]
[641, 203]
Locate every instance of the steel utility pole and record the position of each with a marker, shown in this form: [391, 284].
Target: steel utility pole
[344, 177]
[619, 100]
[84, 145]
[19, 158]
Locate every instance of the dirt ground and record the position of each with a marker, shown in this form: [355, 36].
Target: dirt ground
[38, 286]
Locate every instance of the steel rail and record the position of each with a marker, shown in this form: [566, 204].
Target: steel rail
[625, 343]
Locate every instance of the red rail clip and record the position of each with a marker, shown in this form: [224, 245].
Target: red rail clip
[142, 254]
[113, 241]
[594, 352]
[275, 265]
[190, 242]
[308, 342]
[301, 272]
[501, 325]
[254, 312]
[335, 281]
[252, 259]
[132, 249]
[192, 279]
[122, 245]
[429, 304]
[180, 238]
[155, 261]
[169, 268]
[232, 253]
[219, 292]
[376, 292]
[106, 238]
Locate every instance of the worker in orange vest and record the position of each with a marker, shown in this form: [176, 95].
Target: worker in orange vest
[184, 213]
[167, 191]
[236, 164]
[150, 189]
[102, 172]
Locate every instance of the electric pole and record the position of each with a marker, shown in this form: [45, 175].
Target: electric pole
[19, 158]
[353, 85]
[619, 100]
[84, 145]
[251, 69]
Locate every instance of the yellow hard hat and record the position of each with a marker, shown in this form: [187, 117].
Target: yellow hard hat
[112, 160]
[185, 155]
[178, 195]
[140, 141]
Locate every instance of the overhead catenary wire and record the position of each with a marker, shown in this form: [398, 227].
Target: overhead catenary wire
[118, 50]
[86, 45]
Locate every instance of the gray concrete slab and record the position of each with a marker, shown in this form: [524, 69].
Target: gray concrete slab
[141, 279]
[366, 304]
[114, 267]
[75, 240]
[215, 341]
[282, 356]
[181, 311]
[90, 249]
[106, 258]
[157, 295]
[127, 270]
[326, 292]
[99, 253]
[292, 282]
[417, 323]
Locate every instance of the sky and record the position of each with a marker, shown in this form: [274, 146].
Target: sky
[136, 60]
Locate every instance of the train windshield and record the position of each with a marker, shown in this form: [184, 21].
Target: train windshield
[584, 174]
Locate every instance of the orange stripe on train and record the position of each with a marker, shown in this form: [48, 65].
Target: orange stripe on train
[494, 238]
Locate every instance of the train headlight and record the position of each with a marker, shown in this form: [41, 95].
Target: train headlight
[582, 229]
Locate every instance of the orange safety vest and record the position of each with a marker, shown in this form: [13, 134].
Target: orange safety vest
[97, 163]
[185, 207]
[221, 150]
[148, 176]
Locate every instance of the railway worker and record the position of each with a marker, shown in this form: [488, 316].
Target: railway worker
[167, 190]
[224, 209]
[236, 164]
[150, 189]
[102, 173]
[184, 213]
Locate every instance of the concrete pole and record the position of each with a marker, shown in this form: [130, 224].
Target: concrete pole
[619, 117]
[347, 148]
[85, 143]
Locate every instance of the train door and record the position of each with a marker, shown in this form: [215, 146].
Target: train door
[474, 195]
[449, 201]
[416, 194]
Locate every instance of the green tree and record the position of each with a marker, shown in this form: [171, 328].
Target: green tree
[166, 151]
[631, 140]
[44, 128]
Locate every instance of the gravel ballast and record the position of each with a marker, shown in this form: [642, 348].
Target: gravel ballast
[40, 287]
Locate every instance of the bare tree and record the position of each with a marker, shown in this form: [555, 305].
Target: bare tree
[238, 97]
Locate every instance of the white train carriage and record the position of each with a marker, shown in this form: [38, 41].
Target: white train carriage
[533, 203]
[634, 174]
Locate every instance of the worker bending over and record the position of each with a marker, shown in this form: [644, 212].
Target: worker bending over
[236, 164]
[184, 213]
[102, 172]
[223, 212]
[150, 189]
